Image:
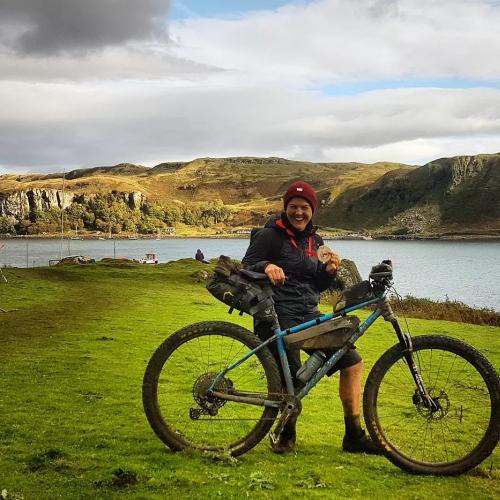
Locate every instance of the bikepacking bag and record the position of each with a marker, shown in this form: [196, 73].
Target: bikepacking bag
[240, 290]
[328, 335]
[354, 295]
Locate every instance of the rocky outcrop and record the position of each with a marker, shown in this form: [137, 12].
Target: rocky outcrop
[75, 259]
[456, 171]
[20, 204]
[416, 220]
[14, 205]
[135, 200]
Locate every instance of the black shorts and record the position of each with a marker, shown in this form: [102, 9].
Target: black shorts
[264, 331]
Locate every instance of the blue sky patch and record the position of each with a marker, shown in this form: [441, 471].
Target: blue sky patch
[184, 9]
[353, 88]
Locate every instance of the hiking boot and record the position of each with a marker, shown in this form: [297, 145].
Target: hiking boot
[285, 444]
[360, 444]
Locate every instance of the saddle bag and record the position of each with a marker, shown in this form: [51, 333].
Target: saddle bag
[329, 335]
[243, 290]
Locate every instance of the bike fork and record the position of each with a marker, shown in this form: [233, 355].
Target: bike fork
[421, 392]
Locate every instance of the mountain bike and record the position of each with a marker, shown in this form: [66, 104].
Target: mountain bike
[431, 402]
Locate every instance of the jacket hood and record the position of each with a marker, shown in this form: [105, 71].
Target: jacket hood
[271, 222]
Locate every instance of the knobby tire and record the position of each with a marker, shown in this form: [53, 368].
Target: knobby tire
[451, 441]
[186, 361]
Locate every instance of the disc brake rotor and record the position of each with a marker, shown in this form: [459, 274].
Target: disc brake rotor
[442, 401]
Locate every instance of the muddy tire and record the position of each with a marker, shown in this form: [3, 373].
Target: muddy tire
[450, 441]
[174, 401]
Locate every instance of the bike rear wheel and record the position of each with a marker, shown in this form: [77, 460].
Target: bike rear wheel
[182, 369]
[450, 441]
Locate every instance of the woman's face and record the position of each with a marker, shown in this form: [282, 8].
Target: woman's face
[299, 213]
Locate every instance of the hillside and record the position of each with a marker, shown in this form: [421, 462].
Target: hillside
[450, 195]
[228, 179]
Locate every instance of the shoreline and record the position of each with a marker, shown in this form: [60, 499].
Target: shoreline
[388, 237]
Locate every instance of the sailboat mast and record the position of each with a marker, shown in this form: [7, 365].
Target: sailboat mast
[62, 216]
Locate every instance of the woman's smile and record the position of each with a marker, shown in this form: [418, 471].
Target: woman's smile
[299, 213]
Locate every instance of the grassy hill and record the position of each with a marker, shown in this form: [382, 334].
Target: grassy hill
[451, 195]
[75, 343]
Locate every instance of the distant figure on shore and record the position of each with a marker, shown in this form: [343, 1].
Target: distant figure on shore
[200, 257]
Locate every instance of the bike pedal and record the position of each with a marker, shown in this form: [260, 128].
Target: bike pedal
[273, 438]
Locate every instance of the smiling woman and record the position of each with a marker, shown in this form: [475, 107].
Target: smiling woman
[299, 213]
[300, 204]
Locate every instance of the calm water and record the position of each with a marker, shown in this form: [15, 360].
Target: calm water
[468, 271]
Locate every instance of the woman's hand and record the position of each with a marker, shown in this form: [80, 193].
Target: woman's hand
[333, 264]
[275, 274]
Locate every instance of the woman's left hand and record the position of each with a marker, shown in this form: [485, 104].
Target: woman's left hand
[333, 264]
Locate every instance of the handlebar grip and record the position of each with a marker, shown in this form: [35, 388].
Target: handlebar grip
[380, 276]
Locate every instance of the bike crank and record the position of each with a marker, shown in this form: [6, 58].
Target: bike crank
[290, 412]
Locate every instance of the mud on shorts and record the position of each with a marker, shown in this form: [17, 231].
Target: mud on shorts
[264, 331]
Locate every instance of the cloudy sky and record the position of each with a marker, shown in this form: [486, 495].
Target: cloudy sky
[98, 82]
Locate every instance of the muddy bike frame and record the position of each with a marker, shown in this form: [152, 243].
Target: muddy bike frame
[383, 309]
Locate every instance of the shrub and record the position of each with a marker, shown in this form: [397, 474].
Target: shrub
[450, 310]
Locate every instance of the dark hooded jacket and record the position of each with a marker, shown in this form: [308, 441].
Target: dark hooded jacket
[295, 252]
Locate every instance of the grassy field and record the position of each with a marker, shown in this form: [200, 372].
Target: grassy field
[75, 342]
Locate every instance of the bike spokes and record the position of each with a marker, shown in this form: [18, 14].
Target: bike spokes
[199, 418]
[446, 430]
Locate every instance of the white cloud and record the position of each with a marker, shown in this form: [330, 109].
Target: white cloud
[356, 40]
[240, 87]
[75, 126]
[111, 64]
[417, 151]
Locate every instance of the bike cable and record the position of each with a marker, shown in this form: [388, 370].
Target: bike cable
[401, 306]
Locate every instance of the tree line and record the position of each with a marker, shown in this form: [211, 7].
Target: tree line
[111, 213]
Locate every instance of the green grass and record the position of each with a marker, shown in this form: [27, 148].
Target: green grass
[75, 342]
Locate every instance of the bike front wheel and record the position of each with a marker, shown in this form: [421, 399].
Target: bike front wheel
[456, 437]
[181, 370]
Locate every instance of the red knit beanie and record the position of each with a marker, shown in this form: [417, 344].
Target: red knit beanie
[302, 190]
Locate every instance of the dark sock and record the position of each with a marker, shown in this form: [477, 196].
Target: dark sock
[353, 428]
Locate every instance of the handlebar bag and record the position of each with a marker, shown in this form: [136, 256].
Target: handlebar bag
[238, 289]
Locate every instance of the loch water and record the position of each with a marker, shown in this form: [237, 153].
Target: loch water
[468, 271]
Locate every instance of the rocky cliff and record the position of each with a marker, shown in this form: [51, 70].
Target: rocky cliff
[23, 204]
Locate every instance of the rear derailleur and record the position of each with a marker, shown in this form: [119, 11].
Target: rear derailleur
[208, 404]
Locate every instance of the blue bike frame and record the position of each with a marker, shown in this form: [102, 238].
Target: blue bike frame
[278, 338]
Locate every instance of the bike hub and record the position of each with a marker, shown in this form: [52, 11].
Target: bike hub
[438, 409]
